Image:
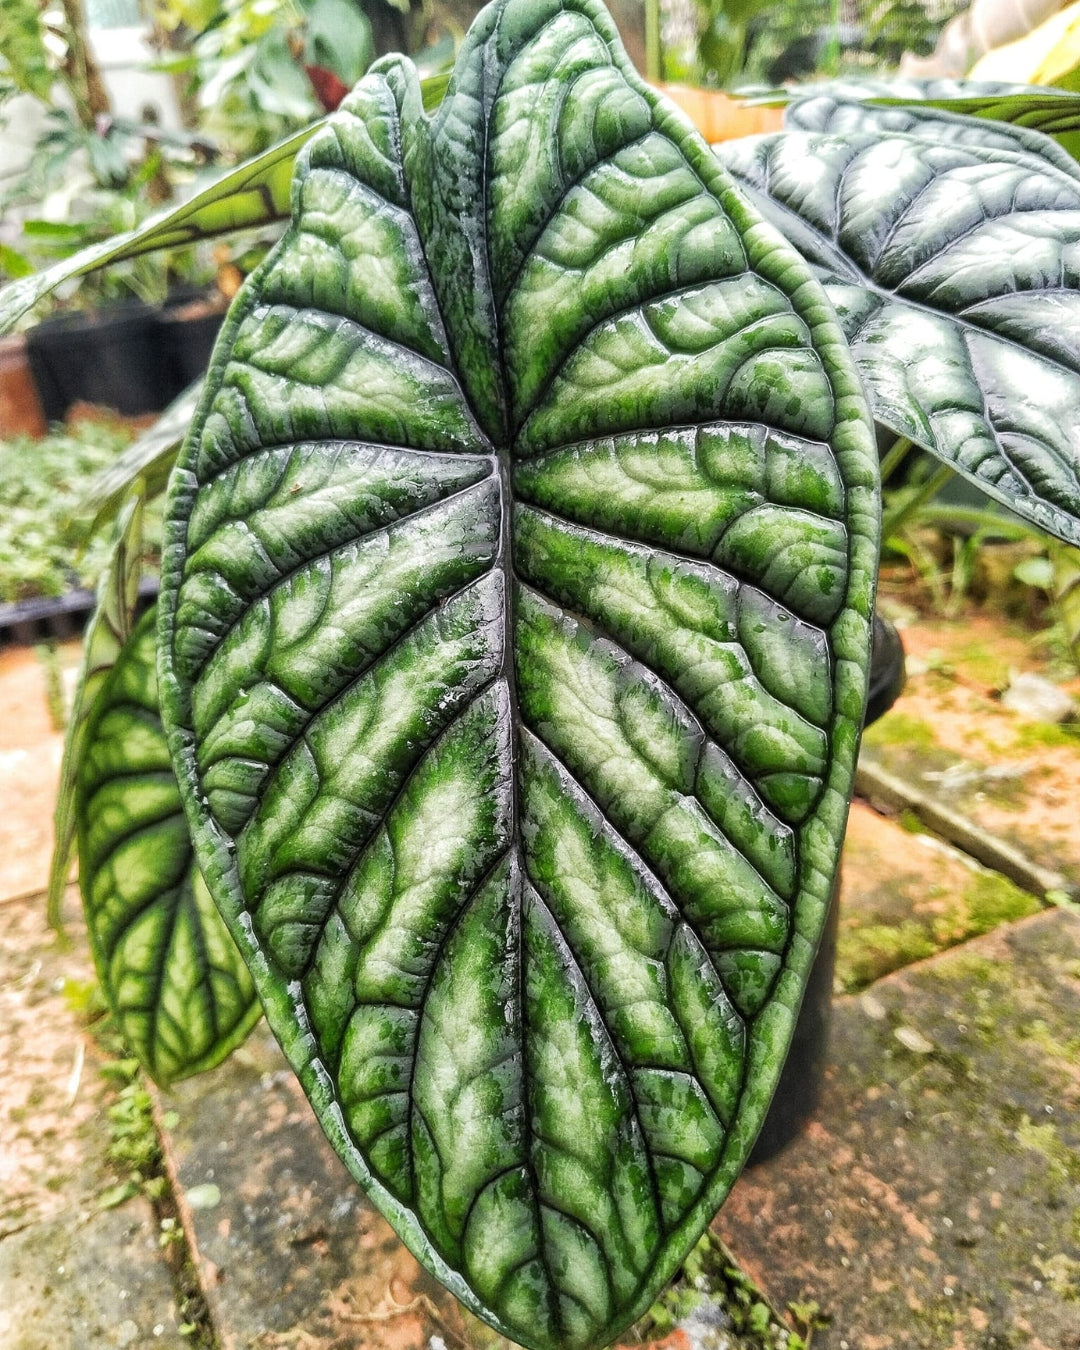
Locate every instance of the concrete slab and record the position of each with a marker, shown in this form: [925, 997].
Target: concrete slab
[89, 1281]
[71, 1273]
[288, 1249]
[935, 1202]
[905, 896]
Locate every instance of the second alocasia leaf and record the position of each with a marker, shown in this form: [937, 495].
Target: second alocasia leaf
[948, 248]
[513, 642]
[177, 987]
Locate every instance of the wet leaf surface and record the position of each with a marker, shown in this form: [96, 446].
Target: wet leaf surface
[513, 643]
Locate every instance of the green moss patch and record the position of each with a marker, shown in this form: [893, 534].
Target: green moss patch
[867, 951]
[901, 729]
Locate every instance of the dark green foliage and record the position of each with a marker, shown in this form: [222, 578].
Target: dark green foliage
[513, 644]
[948, 251]
[172, 976]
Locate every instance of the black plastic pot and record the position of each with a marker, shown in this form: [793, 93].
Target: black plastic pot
[186, 332]
[112, 357]
[59, 618]
[799, 1090]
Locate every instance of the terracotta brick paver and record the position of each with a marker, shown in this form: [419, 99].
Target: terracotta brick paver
[935, 1200]
[286, 1242]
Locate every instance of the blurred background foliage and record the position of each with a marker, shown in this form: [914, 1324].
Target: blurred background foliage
[241, 74]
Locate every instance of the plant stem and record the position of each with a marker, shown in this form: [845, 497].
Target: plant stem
[988, 521]
[894, 457]
[82, 76]
[900, 514]
[654, 61]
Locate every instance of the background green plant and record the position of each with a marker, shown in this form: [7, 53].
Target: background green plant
[748, 42]
[46, 545]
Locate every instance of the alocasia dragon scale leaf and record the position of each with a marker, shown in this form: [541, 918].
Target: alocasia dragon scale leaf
[951, 259]
[176, 984]
[513, 644]
[103, 641]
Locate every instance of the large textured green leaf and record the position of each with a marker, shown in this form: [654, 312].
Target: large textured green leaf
[172, 975]
[513, 644]
[954, 272]
[109, 628]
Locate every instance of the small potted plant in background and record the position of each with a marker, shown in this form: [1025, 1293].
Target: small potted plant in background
[89, 175]
[532, 506]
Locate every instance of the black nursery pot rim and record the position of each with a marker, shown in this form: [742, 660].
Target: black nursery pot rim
[56, 618]
[75, 321]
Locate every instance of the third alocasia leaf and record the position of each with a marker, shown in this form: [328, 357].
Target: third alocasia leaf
[949, 252]
[514, 639]
[177, 987]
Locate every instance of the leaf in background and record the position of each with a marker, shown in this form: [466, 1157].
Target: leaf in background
[25, 59]
[1051, 111]
[954, 273]
[15, 264]
[842, 117]
[941, 92]
[177, 986]
[252, 194]
[108, 630]
[337, 37]
[513, 646]
[1054, 112]
[147, 461]
[276, 80]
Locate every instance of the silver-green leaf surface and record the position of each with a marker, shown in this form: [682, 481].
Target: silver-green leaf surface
[1041, 108]
[954, 271]
[836, 115]
[108, 630]
[173, 977]
[514, 636]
